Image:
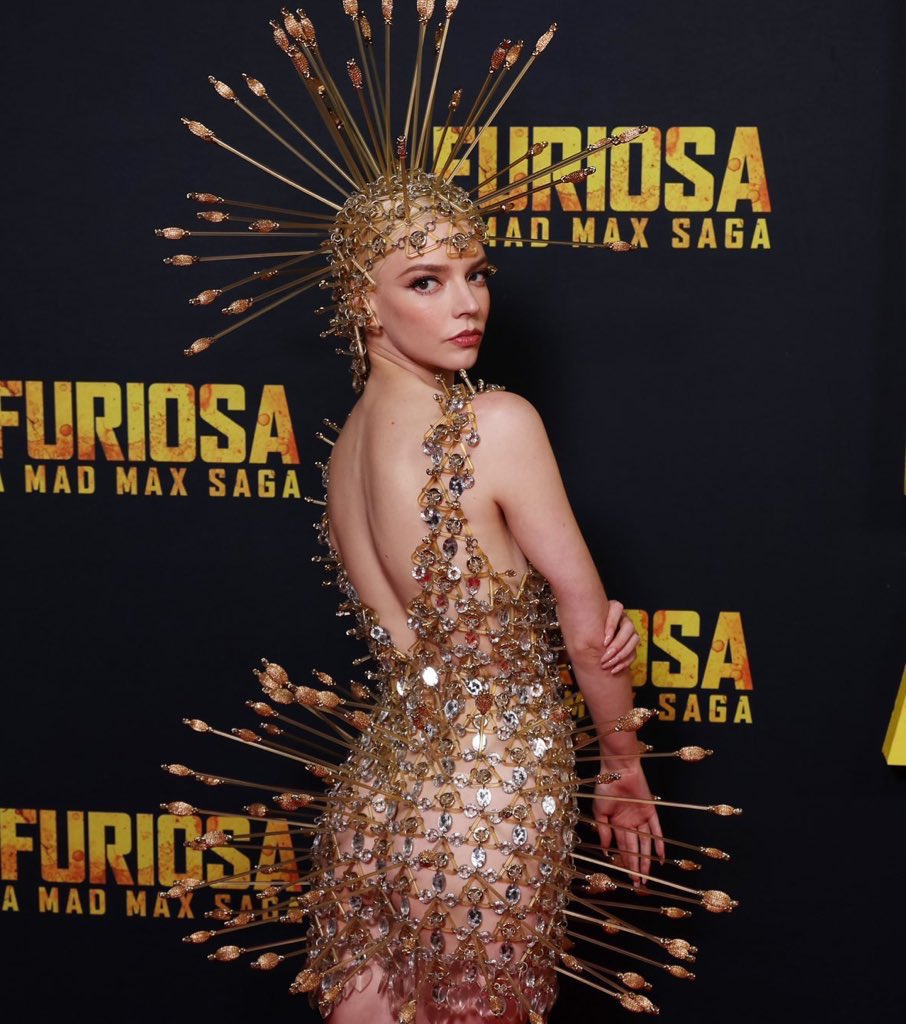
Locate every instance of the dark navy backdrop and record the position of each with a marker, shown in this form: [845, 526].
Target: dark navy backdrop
[726, 421]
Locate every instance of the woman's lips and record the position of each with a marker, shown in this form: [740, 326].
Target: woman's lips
[467, 340]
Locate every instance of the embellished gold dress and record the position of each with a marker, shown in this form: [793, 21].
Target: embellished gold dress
[452, 826]
[444, 846]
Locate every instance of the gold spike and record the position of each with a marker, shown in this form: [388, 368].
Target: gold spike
[421, 148]
[205, 133]
[200, 344]
[540, 47]
[498, 61]
[453, 105]
[567, 179]
[530, 153]
[412, 107]
[258, 90]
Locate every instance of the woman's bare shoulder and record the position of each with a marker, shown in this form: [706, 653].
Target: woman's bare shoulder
[506, 413]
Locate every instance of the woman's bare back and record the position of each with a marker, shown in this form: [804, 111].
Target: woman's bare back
[377, 470]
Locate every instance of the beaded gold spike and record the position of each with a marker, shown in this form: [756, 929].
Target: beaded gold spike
[445, 850]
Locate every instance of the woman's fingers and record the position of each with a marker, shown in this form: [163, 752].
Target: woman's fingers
[605, 833]
[645, 849]
[628, 842]
[623, 646]
[612, 621]
[659, 837]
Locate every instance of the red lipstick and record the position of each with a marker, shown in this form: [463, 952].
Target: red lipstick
[467, 339]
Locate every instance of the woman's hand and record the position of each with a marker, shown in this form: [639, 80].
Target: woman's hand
[634, 826]
[620, 638]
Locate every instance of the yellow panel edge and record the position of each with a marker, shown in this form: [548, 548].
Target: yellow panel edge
[894, 746]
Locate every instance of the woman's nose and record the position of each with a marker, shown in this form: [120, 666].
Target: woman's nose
[465, 301]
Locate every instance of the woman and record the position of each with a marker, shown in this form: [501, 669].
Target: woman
[440, 874]
[429, 318]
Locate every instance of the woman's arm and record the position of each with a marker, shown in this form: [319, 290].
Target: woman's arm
[517, 462]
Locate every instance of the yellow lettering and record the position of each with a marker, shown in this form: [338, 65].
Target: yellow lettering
[583, 231]
[102, 853]
[216, 483]
[266, 483]
[62, 446]
[152, 482]
[540, 230]
[686, 676]
[161, 907]
[209, 398]
[136, 903]
[126, 480]
[569, 139]
[707, 239]
[92, 426]
[667, 704]
[277, 848]
[728, 658]
[8, 417]
[73, 902]
[513, 233]
[11, 843]
[61, 481]
[97, 902]
[10, 902]
[136, 440]
[177, 481]
[638, 231]
[639, 666]
[702, 140]
[51, 871]
[273, 428]
[144, 849]
[595, 186]
[680, 238]
[692, 712]
[717, 708]
[291, 485]
[760, 239]
[160, 399]
[229, 855]
[48, 900]
[648, 195]
[743, 711]
[745, 179]
[168, 827]
[35, 479]
[85, 479]
[733, 233]
[611, 230]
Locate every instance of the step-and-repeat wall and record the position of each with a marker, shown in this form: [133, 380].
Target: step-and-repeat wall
[723, 402]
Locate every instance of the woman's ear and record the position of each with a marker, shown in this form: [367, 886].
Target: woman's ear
[361, 304]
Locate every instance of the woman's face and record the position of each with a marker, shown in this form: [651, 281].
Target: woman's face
[432, 309]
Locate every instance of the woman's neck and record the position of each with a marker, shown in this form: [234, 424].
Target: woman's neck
[387, 372]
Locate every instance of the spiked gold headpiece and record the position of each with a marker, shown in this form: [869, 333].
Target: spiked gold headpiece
[393, 194]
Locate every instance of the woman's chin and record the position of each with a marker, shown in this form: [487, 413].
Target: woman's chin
[461, 357]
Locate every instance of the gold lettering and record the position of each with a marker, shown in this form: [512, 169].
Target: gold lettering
[11, 843]
[74, 871]
[686, 676]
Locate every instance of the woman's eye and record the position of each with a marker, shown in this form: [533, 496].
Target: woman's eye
[423, 284]
[483, 275]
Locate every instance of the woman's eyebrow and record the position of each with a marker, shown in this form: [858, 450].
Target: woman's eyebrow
[439, 268]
